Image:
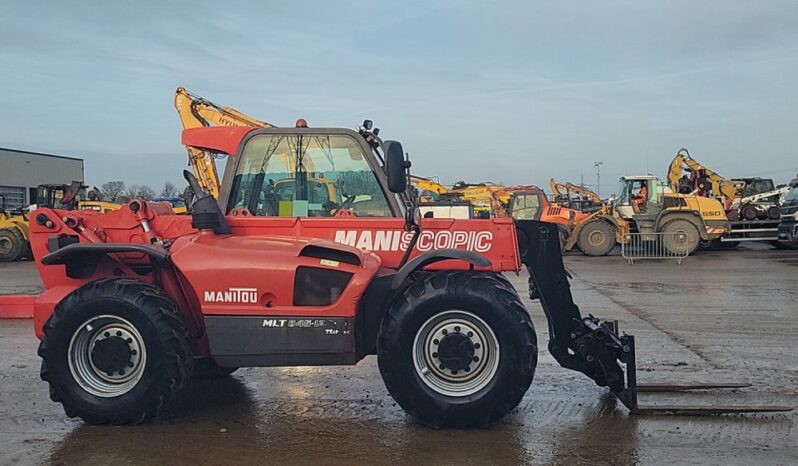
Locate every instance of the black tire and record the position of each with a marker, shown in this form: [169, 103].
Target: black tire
[207, 368]
[12, 245]
[505, 373]
[164, 339]
[773, 213]
[729, 244]
[681, 237]
[597, 238]
[749, 212]
[709, 244]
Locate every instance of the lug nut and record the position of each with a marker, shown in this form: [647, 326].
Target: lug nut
[476, 358]
[134, 352]
[454, 372]
[442, 367]
[130, 364]
[456, 328]
[444, 331]
[107, 334]
[476, 345]
[435, 341]
[470, 334]
[118, 333]
[467, 368]
[121, 372]
[129, 340]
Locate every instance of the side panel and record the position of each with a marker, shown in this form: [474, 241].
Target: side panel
[493, 238]
[280, 340]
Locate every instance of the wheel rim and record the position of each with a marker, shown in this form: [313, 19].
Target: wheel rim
[5, 245]
[107, 356]
[596, 238]
[456, 353]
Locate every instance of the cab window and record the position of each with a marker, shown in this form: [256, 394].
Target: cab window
[525, 207]
[306, 176]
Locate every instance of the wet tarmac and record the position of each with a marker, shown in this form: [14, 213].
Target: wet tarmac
[726, 316]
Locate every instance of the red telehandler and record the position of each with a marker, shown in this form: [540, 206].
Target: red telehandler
[138, 299]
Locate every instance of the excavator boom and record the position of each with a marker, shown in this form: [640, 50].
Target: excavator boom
[196, 112]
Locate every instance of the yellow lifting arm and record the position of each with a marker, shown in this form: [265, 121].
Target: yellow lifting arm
[196, 112]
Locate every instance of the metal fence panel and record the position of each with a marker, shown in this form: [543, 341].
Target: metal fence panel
[639, 246]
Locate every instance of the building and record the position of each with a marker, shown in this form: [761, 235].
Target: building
[22, 171]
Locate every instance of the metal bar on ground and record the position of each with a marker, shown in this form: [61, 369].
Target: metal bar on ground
[677, 387]
[709, 410]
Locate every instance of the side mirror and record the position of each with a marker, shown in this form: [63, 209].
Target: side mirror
[396, 166]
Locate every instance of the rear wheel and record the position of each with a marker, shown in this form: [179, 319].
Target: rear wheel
[597, 238]
[457, 349]
[115, 352]
[681, 237]
[12, 245]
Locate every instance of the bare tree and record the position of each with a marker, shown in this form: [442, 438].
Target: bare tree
[112, 190]
[168, 190]
[146, 193]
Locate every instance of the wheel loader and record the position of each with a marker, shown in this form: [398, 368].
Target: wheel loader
[139, 299]
[684, 220]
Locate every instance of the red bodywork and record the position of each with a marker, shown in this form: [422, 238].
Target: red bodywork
[262, 253]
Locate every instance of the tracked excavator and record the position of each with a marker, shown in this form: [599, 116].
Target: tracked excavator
[751, 204]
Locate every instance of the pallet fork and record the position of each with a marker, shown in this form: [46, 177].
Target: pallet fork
[593, 347]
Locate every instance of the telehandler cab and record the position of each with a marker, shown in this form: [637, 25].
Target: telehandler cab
[138, 299]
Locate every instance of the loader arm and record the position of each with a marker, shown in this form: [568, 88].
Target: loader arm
[196, 112]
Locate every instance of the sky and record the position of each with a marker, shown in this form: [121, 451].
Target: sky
[511, 92]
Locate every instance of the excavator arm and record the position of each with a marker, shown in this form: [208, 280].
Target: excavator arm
[720, 186]
[196, 112]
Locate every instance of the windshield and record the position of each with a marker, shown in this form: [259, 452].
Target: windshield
[525, 207]
[792, 197]
[306, 176]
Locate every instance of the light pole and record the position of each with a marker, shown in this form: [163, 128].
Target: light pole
[598, 176]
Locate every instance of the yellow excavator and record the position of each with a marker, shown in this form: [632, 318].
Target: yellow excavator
[751, 204]
[488, 200]
[196, 112]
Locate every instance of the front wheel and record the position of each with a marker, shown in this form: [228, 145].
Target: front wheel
[680, 237]
[457, 349]
[597, 238]
[115, 352]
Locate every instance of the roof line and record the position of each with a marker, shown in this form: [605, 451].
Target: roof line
[40, 153]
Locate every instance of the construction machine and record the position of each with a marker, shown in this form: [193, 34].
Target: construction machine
[488, 200]
[645, 205]
[197, 112]
[751, 204]
[531, 203]
[139, 299]
[574, 196]
[13, 232]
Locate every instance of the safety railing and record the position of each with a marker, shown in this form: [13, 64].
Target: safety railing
[644, 246]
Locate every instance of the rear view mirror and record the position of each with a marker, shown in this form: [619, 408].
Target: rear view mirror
[396, 166]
